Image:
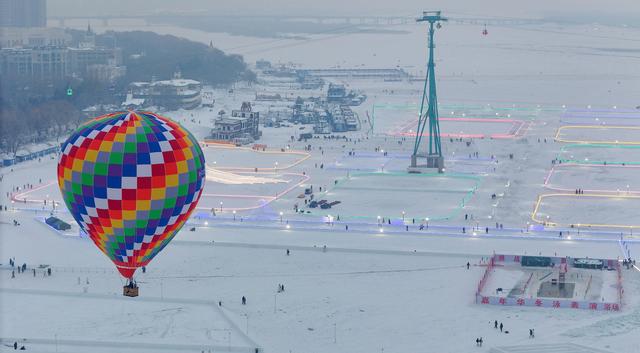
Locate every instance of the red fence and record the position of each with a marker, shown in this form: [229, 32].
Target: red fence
[485, 276]
[546, 302]
[620, 289]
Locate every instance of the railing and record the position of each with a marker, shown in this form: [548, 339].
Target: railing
[588, 287]
[526, 284]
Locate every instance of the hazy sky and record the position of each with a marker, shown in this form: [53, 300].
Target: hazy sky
[629, 10]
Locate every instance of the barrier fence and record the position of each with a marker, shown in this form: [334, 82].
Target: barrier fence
[524, 289]
[485, 276]
[482, 299]
[620, 289]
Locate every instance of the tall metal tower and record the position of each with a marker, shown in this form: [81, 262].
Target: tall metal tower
[430, 117]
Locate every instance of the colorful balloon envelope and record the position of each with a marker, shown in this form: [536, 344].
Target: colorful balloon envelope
[131, 180]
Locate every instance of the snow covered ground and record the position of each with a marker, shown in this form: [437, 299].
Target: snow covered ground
[390, 287]
[600, 154]
[623, 135]
[588, 210]
[615, 179]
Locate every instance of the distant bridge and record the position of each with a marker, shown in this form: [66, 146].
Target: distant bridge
[153, 19]
[394, 74]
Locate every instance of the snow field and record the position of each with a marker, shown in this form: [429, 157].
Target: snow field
[370, 288]
[243, 158]
[239, 191]
[370, 195]
[613, 179]
[601, 134]
[600, 154]
[587, 210]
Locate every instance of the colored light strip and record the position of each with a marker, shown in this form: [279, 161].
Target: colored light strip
[603, 110]
[305, 156]
[605, 192]
[303, 178]
[21, 197]
[517, 125]
[467, 197]
[557, 137]
[598, 117]
[229, 196]
[565, 149]
[414, 106]
[536, 208]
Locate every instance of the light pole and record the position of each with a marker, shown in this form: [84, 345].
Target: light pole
[427, 219]
[220, 206]
[403, 213]
[378, 220]
[234, 215]
[281, 214]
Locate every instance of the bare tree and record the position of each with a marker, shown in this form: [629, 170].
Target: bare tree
[13, 130]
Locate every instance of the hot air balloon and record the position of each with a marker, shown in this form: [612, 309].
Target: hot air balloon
[131, 180]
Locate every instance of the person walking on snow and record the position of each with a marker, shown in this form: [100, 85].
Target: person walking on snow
[501, 327]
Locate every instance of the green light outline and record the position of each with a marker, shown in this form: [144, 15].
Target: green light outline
[595, 145]
[465, 200]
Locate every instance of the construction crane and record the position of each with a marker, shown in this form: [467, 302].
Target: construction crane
[430, 103]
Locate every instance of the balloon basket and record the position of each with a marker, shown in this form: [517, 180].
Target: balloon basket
[130, 291]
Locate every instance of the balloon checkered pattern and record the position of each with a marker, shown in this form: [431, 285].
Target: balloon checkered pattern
[131, 180]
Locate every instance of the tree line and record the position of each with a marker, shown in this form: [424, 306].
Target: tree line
[43, 122]
[34, 110]
[147, 55]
